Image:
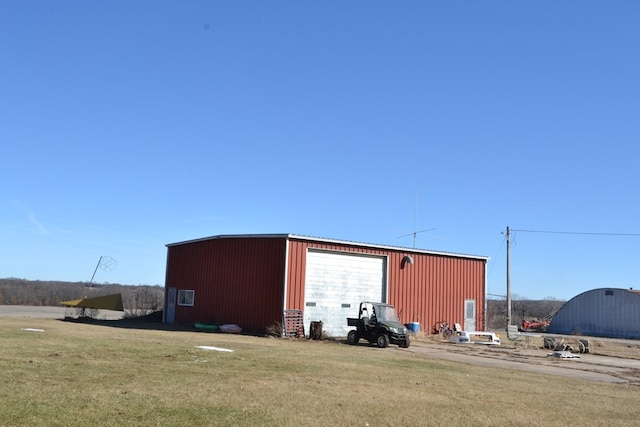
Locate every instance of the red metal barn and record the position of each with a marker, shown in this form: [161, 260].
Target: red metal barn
[250, 280]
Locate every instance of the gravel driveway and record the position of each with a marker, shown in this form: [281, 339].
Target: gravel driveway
[591, 367]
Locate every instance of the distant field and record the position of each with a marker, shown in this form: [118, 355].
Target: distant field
[58, 373]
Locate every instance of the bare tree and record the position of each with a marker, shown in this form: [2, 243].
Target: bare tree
[140, 300]
[548, 307]
[496, 314]
[521, 308]
[143, 300]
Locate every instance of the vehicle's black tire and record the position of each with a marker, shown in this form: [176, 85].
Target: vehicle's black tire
[382, 341]
[353, 337]
[406, 343]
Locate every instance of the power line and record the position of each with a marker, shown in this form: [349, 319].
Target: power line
[496, 256]
[578, 233]
[497, 295]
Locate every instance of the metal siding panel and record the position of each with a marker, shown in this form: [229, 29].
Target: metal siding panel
[297, 271]
[435, 288]
[432, 289]
[235, 281]
[595, 313]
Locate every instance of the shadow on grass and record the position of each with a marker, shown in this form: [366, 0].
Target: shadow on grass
[151, 321]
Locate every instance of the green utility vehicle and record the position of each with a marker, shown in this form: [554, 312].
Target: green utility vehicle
[378, 323]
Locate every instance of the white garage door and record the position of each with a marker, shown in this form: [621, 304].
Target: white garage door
[336, 283]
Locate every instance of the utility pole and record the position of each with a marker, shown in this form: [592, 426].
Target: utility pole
[508, 278]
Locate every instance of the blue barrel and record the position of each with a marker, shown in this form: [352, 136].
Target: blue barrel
[413, 327]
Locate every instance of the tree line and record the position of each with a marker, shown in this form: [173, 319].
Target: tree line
[144, 299]
[521, 310]
[137, 300]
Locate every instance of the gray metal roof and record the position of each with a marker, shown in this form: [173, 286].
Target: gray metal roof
[336, 241]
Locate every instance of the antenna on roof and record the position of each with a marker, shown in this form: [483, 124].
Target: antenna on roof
[415, 225]
[416, 233]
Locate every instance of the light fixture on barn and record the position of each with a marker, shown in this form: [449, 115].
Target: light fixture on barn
[407, 259]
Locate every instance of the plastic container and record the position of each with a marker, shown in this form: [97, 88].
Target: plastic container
[230, 329]
[206, 327]
[413, 327]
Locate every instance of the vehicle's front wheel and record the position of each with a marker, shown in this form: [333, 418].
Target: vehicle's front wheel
[382, 341]
[353, 338]
[406, 343]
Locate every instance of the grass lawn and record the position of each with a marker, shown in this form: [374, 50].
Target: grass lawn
[87, 374]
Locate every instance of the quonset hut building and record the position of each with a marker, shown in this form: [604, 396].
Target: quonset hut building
[604, 312]
[251, 280]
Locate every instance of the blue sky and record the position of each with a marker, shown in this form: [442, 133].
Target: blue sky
[126, 126]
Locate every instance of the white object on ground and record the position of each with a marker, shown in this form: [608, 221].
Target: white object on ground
[33, 330]
[208, 347]
[563, 355]
[231, 329]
